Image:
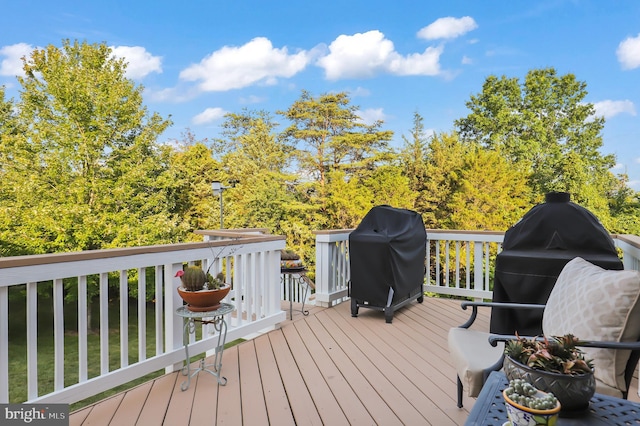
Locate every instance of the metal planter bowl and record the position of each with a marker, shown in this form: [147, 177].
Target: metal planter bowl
[573, 392]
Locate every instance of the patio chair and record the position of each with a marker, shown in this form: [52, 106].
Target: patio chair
[600, 307]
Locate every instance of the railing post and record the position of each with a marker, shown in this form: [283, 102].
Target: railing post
[332, 267]
[323, 270]
[172, 323]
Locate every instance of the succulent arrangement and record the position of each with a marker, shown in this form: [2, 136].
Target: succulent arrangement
[290, 260]
[524, 393]
[558, 354]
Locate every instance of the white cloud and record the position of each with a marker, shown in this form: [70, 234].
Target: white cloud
[371, 115]
[209, 115]
[608, 108]
[140, 63]
[11, 63]
[466, 60]
[618, 166]
[237, 67]
[364, 54]
[360, 92]
[172, 94]
[637, 160]
[426, 63]
[252, 99]
[448, 27]
[629, 53]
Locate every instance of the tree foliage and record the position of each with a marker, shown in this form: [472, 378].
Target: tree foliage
[413, 160]
[469, 187]
[538, 126]
[333, 136]
[81, 166]
[544, 127]
[85, 170]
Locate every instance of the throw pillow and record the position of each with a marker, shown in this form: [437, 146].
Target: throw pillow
[596, 304]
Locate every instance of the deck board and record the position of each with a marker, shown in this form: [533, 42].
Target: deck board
[316, 379]
[254, 409]
[349, 387]
[279, 410]
[324, 368]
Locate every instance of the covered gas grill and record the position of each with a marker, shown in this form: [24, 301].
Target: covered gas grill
[536, 249]
[387, 254]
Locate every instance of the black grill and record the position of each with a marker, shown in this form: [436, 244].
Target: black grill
[536, 249]
[386, 254]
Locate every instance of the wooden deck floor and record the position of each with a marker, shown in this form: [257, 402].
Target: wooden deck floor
[323, 369]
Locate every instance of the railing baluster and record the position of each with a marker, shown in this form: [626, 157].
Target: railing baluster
[83, 328]
[159, 307]
[142, 314]
[124, 319]
[58, 334]
[32, 340]
[4, 349]
[104, 323]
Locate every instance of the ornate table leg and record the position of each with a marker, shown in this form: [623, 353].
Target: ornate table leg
[189, 328]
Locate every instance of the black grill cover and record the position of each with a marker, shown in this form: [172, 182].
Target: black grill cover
[534, 252]
[387, 250]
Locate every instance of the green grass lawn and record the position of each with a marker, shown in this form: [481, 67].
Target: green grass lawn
[18, 347]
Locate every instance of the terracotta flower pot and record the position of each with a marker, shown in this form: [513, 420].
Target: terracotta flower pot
[203, 300]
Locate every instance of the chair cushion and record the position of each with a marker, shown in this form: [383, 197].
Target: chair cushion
[596, 304]
[472, 354]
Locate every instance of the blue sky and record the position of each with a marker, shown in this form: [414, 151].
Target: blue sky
[200, 59]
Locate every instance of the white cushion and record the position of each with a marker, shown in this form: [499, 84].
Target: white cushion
[596, 304]
[472, 354]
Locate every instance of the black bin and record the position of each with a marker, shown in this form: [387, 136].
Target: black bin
[535, 250]
[387, 253]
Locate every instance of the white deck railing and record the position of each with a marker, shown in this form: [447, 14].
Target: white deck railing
[459, 263]
[251, 264]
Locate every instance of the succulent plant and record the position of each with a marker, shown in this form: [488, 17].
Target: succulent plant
[215, 282]
[524, 393]
[558, 354]
[193, 278]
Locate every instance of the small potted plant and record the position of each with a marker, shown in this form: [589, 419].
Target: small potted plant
[200, 290]
[555, 365]
[528, 406]
[290, 260]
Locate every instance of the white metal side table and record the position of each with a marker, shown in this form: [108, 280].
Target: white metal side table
[216, 318]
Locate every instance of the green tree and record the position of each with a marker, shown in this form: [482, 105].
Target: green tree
[489, 194]
[85, 171]
[192, 169]
[413, 160]
[444, 160]
[265, 194]
[542, 127]
[338, 153]
[471, 187]
[333, 135]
